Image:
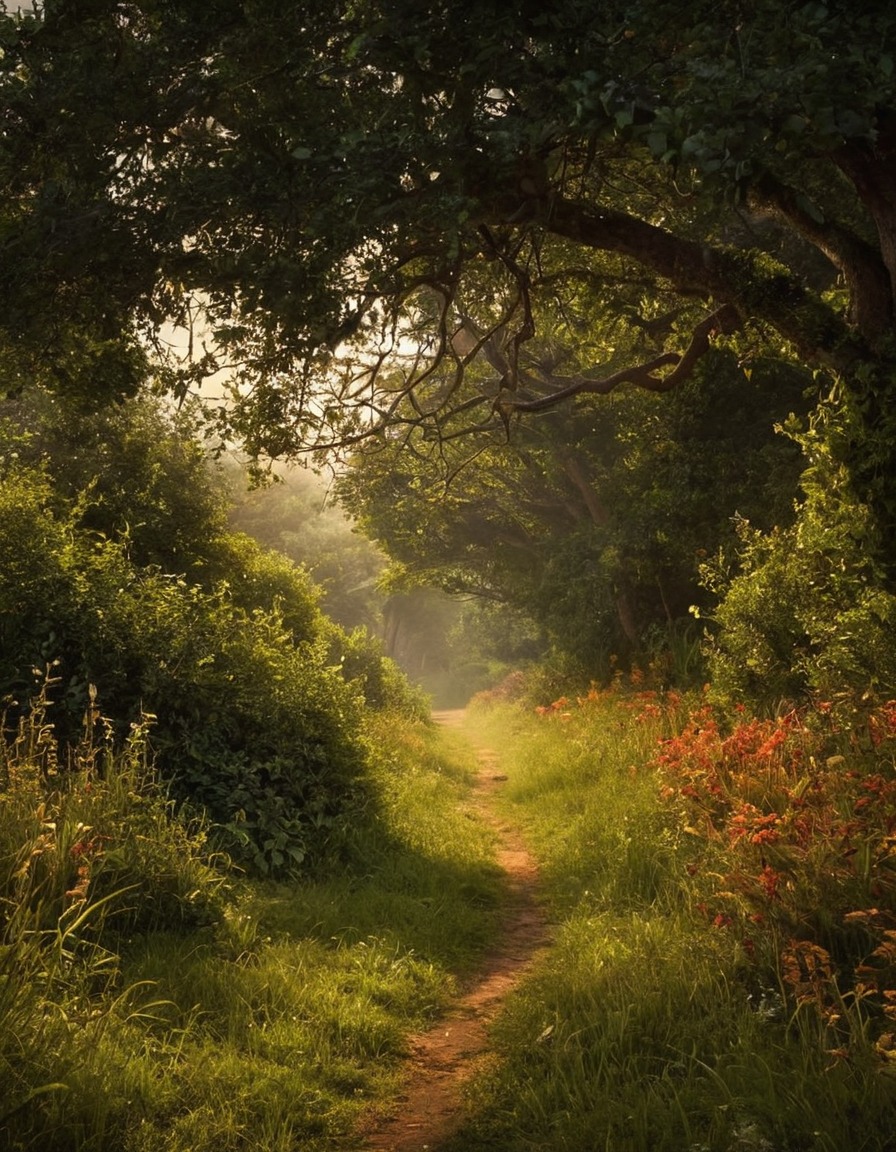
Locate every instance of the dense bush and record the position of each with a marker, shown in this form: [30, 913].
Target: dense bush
[379, 679]
[255, 697]
[137, 472]
[807, 613]
[252, 723]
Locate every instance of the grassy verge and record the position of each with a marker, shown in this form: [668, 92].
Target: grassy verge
[670, 1014]
[152, 1000]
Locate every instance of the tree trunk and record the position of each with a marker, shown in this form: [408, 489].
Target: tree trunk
[872, 171]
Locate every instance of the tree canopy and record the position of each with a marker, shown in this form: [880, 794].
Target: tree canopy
[333, 199]
[594, 522]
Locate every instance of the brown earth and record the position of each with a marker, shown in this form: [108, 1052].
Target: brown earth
[430, 1107]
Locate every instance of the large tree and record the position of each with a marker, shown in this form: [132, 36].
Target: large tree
[334, 198]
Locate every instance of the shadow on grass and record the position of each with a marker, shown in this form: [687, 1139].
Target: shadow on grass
[415, 901]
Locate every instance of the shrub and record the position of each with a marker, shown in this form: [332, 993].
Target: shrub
[114, 564]
[260, 730]
[374, 675]
[254, 721]
[808, 613]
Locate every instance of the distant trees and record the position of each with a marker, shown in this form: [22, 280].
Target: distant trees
[592, 523]
[300, 517]
[428, 634]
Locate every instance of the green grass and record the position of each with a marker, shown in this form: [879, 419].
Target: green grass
[590, 810]
[188, 1010]
[646, 1029]
[153, 1000]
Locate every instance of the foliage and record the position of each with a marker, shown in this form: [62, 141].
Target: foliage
[137, 472]
[294, 515]
[254, 725]
[377, 677]
[805, 613]
[425, 238]
[257, 719]
[591, 525]
[257, 578]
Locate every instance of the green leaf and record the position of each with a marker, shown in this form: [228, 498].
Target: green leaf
[657, 142]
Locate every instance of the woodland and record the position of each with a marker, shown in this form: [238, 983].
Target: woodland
[369, 357]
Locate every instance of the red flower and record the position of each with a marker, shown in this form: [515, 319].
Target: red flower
[770, 880]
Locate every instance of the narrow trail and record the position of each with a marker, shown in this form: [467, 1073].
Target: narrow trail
[445, 1057]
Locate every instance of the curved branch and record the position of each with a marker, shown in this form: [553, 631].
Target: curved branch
[740, 278]
[723, 320]
[860, 263]
[872, 171]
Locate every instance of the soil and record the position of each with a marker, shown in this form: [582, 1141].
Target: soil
[430, 1108]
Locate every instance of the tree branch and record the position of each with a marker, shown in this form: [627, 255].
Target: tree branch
[865, 273]
[739, 278]
[724, 319]
[872, 172]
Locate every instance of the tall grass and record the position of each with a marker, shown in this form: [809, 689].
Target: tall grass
[153, 1000]
[668, 1015]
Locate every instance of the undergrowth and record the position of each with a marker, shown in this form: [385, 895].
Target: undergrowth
[153, 999]
[723, 977]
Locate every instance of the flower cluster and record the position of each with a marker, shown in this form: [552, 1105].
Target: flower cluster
[559, 707]
[793, 827]
[642, 705]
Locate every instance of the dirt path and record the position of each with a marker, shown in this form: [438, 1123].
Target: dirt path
[444, 1058]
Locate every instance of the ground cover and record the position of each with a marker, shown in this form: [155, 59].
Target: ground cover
[722, 971]
[719, 895]
[151, 999]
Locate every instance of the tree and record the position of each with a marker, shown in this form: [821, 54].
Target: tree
[592, 523]
[348, 194]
